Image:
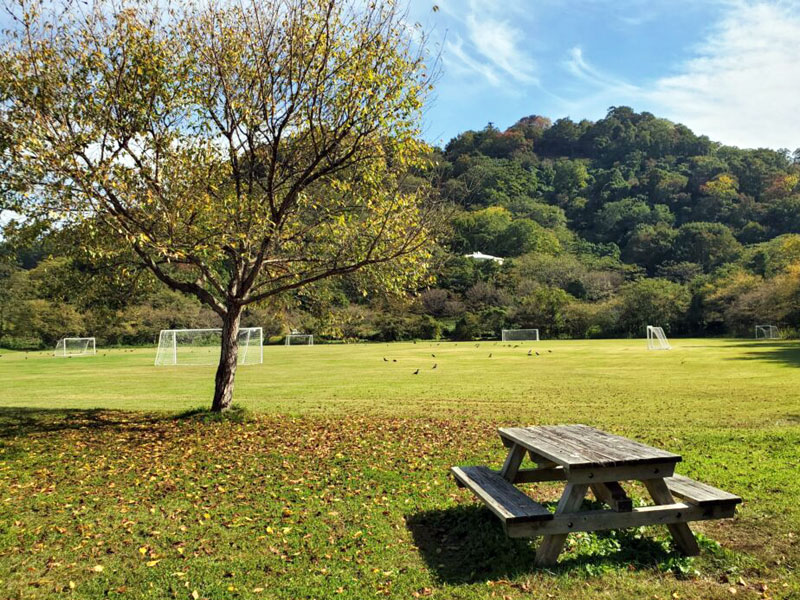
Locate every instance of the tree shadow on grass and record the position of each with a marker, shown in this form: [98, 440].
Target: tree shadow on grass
[466, 544]
[781, 352]
[18, 421]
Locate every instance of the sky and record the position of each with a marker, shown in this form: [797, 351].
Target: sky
[729, 69]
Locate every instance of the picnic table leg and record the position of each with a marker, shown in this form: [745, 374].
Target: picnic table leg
[550, 548]
[514, 459]
[683, 536]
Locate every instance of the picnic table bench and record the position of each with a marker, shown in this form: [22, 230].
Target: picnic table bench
[587, 458]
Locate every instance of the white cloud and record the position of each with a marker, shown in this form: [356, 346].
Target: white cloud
[578, 66]
[490, 45]
[743, 85]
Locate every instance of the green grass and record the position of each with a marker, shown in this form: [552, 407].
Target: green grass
[336, 486]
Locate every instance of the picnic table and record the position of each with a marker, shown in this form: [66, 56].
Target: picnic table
[587, 458]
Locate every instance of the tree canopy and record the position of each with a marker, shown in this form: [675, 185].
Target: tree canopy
[237, 151]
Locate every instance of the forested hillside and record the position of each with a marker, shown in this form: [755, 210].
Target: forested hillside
[604, 226]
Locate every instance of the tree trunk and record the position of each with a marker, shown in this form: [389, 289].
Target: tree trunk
[229, 354]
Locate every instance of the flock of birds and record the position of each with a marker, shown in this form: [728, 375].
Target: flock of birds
[531, 352]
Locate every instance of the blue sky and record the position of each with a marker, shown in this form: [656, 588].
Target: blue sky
[729, 69]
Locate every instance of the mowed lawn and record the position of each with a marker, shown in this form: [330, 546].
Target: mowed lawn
[338, 487]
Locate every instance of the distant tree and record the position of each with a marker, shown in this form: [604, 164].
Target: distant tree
[562, 138]
[652, 302]
[571, 176]
[650, 245]
[523, 236]
[680, 272]
[239, 150]
[718, 199]
[480, 230]
[543, 308]
[708, 244]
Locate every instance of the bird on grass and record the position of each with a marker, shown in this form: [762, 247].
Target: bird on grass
[490, 355]
[433, 355]
[537, 354]
[434, 366]
[385, 359]
[549, 350]
[416, 372]
[394, 360]
[530, 352]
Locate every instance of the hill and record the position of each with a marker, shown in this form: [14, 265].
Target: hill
[605, 226]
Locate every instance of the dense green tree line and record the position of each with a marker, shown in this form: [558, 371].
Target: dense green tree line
[604, 226]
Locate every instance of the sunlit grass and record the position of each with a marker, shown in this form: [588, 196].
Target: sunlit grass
[338, 486]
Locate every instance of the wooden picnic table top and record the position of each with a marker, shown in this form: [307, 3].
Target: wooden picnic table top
[581, 446]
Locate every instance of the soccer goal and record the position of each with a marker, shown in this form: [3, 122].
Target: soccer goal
[202, 346]
[75, 346]
[295, 338]
[767, 332]
[518, 335]
[656, 340]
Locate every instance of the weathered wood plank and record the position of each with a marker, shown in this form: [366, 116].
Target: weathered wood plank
[548, 551]
[611, 493]
[543, 474]
[699, 493]
[625, 473]
[683, 536]
[502, 498]
[602, 520]
[522, 436]
[582, 447]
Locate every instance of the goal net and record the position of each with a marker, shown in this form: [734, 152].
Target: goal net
[516, 335]
[656, 340]
[75, 346]
[203, 346]
[767, 332]
[299, 339]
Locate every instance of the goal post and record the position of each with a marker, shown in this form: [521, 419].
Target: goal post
[299, 339]
[75, 346]
[518, 335]
[201, 347]
[656, 340]
[767, 332]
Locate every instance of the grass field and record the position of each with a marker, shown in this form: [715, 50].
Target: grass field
[338, 486]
